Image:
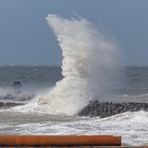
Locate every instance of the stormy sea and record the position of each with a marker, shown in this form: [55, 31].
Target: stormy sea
[132, 126]
[91, 93]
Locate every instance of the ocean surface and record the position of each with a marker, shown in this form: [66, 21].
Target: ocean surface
[36, 80]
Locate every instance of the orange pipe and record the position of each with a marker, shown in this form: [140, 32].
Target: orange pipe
[69, 140]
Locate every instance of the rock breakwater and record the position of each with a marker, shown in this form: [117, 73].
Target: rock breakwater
[106, 109]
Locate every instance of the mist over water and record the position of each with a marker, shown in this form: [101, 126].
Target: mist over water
[89, 66]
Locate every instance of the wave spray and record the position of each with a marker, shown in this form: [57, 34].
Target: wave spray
[88, 66]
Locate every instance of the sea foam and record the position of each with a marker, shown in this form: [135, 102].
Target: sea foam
[88, 66]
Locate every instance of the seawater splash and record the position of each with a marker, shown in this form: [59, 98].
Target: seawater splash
[88, 66]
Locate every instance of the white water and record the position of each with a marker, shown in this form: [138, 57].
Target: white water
[88, 66]
[131, 126]
[88, 60]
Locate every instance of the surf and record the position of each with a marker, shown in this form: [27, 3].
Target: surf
[88, 67]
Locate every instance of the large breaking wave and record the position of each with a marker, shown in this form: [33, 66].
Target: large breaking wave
[88, 67]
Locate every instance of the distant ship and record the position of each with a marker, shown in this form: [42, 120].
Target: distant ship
[17, 84]
[16, 93]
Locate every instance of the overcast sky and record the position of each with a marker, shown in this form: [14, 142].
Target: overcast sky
[25, 37]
